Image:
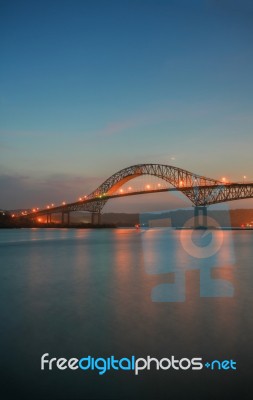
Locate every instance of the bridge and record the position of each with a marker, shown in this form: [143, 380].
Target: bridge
[200, 190]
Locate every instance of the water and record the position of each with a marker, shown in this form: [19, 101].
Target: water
[73, 293]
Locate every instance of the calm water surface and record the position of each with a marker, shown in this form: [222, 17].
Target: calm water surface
[71, 293]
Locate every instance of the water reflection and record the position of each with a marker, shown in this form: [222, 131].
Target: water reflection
[76, 292]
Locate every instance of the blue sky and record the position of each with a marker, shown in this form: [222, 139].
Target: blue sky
[90, 87]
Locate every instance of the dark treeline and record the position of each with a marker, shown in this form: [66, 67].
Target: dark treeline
[178, 218]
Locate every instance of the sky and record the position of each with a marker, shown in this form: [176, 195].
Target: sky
[90, 87]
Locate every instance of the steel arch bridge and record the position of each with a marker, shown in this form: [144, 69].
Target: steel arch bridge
[200, 190]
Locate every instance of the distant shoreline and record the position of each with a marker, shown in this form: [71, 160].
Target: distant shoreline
[60, 226]
[113, 226]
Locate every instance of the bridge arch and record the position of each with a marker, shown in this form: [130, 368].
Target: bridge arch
[177, 177]
[201, 191]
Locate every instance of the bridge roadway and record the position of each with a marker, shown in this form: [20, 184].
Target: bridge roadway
[200, 190]
[223, 193]
[84, 205]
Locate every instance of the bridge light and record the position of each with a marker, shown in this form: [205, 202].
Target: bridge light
[181, 183]
[48, 206]
[39, 219]
[34, 209]
[148, 186]
[121, 190]
[52, 205]
[159, 184]
[225, 181]
[80, 198]
[63, 203]
[13, 215]
[129, 188]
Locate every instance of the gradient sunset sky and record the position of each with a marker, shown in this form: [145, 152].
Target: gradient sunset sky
[90, 87]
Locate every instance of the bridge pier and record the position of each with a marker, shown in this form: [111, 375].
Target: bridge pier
[63, 217]
[49, 218]
[200, 211]
[96, 218]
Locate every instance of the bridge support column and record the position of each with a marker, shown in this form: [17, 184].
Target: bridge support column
[47, 218]
[63, 217]
[96, 218]
[197, 213]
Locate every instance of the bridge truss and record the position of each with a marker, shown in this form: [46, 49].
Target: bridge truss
[200, 190]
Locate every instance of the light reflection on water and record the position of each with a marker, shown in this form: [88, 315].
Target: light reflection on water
[77, 292]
